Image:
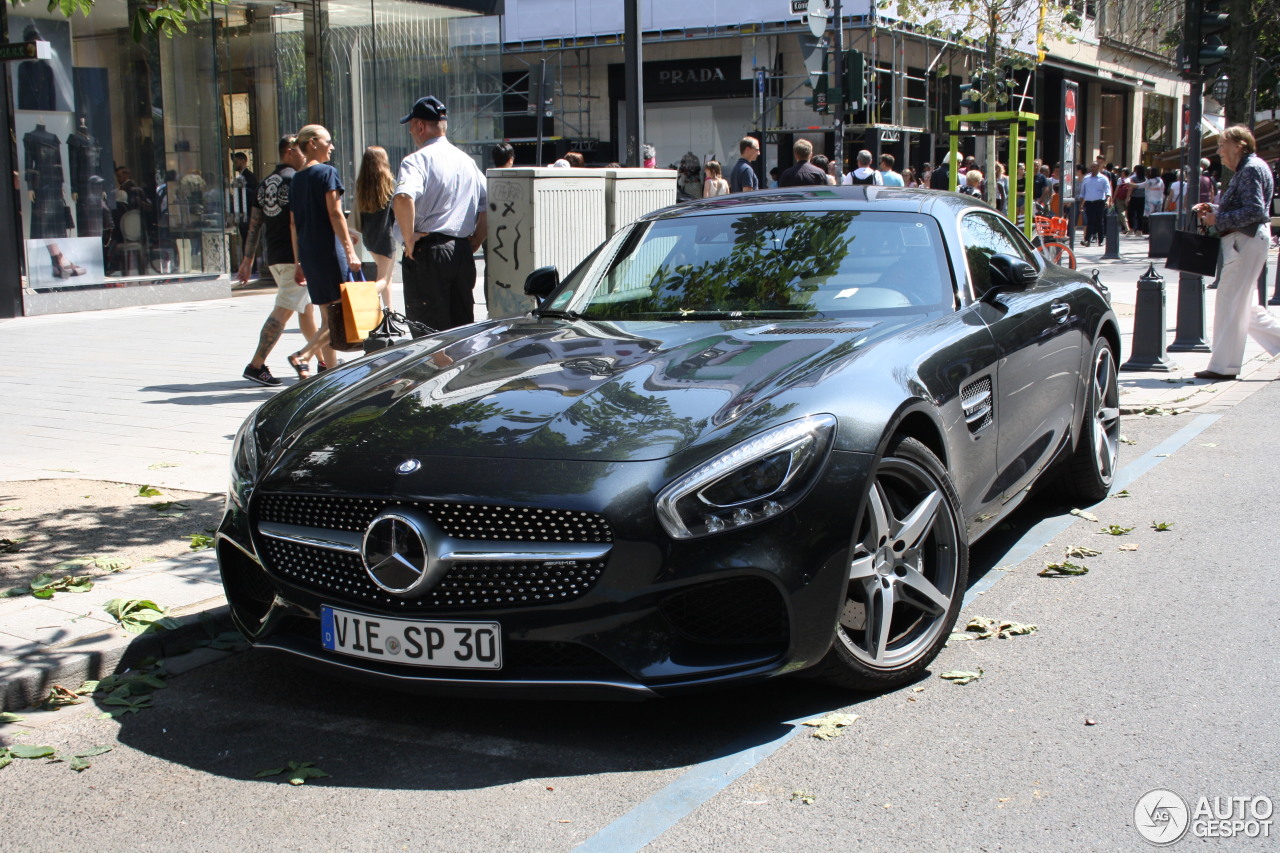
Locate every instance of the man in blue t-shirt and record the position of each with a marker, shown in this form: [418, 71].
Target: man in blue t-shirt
[742, 177]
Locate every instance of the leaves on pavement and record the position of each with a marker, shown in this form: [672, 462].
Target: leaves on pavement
[11, 546]
[45, 584]
[148, 492]
[156, 466]
[804, 797]
[1131, 546]
[1087, 516]
[10, 717]
[298, 772]
[1082, 552]
[1062, 569]
[959, 676]
[1115, 530]
[201, 541]
[140, 615]
[830, 726]
[1161, 526]
[983, 628]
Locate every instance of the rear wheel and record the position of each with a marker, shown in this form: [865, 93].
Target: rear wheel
[907, 568]
[1092, 467]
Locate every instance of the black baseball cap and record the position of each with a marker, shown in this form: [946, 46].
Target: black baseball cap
[429, 108]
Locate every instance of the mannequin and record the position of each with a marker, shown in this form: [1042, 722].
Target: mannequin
[35, 79]
[43, 160]
[85, 156]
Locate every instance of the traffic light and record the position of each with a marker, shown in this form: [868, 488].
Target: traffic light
[971, 92]
[855, 80]
[1212, 49]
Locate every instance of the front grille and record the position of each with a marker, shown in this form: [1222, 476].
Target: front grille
[739, 611]
[460, 520]
[341, 574]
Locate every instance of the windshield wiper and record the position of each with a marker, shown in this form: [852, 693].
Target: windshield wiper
[734, 315]
[556, 314]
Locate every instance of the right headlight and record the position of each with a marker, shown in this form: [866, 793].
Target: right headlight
[751, 482]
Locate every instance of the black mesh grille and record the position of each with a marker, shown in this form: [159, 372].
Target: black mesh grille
[744, 610]
[341, 575]
[460, 520]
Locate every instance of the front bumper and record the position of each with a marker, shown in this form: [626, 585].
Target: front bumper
[651, 616]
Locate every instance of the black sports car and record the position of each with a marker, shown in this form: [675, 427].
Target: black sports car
[746, 437]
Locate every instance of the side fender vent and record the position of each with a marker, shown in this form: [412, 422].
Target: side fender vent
[975, 398]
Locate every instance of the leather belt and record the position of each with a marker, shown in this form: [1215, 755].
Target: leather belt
[436, 238]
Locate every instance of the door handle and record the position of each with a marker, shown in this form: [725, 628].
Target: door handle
[1060, 311]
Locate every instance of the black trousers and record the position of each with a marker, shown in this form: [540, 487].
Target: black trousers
[1095, 217]
[439, 281]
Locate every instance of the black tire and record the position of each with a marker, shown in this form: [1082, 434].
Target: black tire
[909, 550]
[1089, 472]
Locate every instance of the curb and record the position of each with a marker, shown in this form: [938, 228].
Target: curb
[1266, 369]
[26, 680]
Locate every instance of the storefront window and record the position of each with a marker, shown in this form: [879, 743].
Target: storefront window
[1158, 113]
[138, 161]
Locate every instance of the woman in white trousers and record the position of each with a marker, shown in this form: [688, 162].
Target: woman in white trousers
[1243, 219]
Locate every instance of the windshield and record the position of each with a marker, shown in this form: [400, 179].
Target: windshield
[783, 265]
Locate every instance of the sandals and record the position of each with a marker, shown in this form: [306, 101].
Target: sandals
[300, 367]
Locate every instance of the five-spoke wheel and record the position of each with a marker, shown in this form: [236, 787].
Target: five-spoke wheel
[1092, 468]
[908, 564]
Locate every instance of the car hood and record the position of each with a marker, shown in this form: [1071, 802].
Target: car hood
[583, 390]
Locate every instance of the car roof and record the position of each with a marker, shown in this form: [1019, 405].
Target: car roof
[879, 198]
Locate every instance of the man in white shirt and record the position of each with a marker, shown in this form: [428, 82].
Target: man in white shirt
[864, 174]
[439, 204]
[1095, 190]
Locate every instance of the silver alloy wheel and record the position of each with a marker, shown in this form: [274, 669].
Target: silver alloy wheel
[903, 569]
[1105, 414]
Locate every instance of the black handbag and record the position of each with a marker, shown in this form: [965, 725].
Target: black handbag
[1193, 252]
[394, 329]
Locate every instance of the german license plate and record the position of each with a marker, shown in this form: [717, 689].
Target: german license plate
[453, 645]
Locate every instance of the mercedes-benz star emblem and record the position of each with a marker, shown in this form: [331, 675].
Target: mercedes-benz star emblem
[408, 466]
[396, 554]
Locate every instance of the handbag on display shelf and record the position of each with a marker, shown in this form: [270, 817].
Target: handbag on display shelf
[355, 315]
[394, 329]
[1194, 252]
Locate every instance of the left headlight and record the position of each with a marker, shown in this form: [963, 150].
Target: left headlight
[244, 459]
[753, 481]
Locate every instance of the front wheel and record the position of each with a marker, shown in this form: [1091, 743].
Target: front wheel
[907, 569]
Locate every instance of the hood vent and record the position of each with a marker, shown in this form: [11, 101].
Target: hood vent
[813, 330]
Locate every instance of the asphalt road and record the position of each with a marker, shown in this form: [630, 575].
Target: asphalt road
[1169, 650]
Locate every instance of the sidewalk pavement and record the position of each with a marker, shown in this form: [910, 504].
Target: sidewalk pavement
[121, 395]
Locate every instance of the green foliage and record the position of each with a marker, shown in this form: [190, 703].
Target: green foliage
[164, 18]
[139, 615]
[298, 772]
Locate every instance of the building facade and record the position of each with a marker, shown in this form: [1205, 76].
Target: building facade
[129, 193]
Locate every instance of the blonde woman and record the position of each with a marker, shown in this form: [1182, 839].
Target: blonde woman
[374, 218]
[321, 242]
[715, 183]
[972, 183]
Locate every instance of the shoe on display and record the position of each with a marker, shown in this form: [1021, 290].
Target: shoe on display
[261, 375]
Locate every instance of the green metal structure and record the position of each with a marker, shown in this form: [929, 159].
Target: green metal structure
[1015, 122]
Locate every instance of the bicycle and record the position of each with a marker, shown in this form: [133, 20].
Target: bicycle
[1049, 230]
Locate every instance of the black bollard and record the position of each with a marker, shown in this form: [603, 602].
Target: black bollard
[1113, 237]
[1148, 325]
[1189, 336]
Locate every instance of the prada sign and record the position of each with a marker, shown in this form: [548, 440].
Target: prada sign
[694, 78]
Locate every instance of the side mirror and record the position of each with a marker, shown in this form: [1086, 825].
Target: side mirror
[541, 282]
[1012, 273]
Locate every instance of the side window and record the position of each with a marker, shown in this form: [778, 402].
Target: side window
[985, 235]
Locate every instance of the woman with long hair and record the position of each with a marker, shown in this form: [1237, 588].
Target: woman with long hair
[321, 242]
[715, 184]
[375, 188]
